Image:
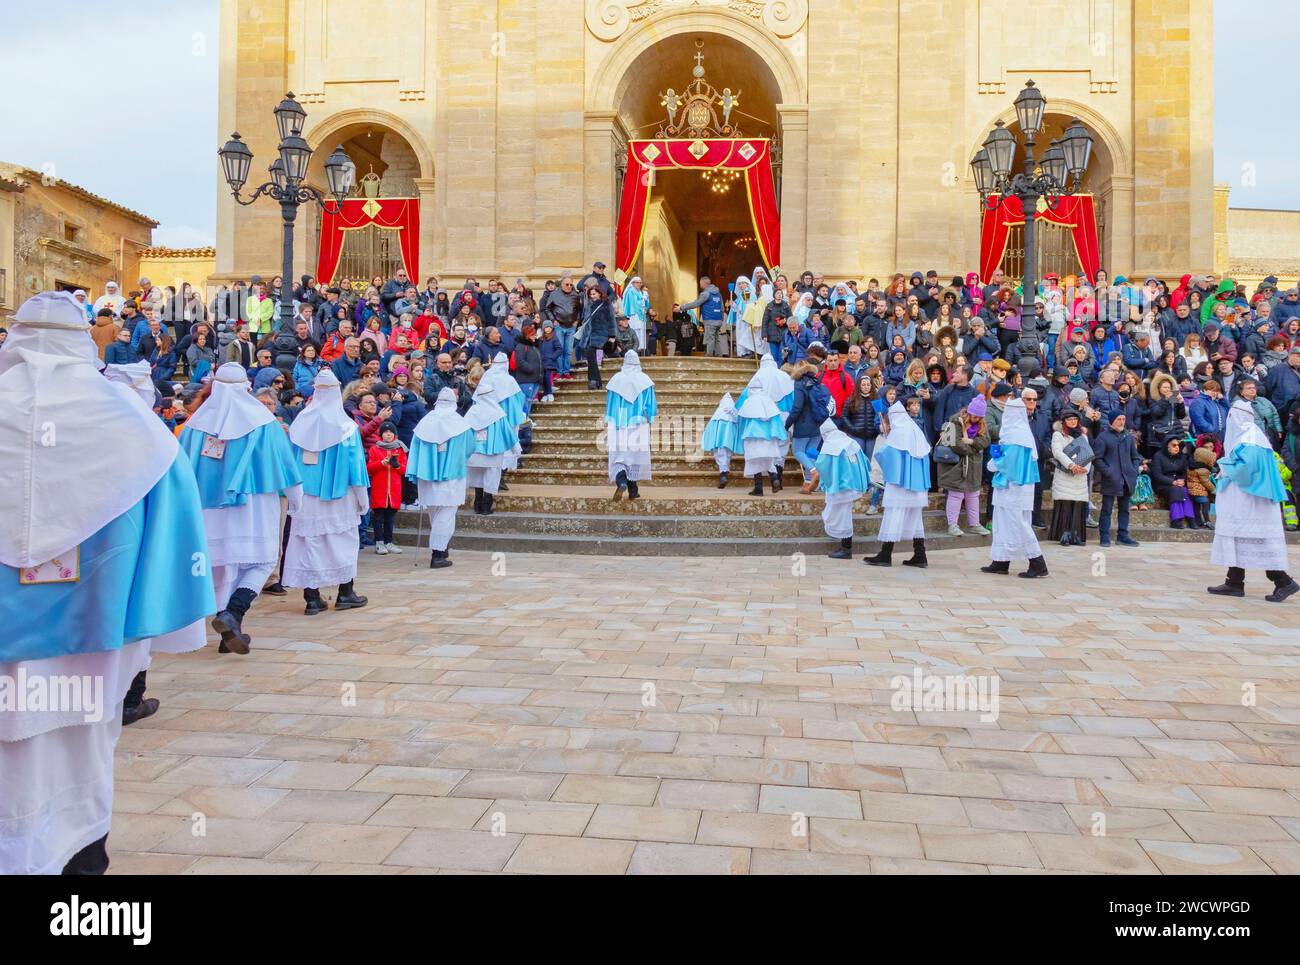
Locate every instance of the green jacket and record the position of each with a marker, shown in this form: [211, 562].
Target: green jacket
[1227, 289]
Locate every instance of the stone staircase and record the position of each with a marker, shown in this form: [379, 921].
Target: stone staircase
[560, 500]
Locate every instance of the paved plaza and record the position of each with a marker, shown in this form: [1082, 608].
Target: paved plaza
[530, 713]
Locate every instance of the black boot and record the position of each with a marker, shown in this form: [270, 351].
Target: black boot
[758, 485]
[1037, 568]
[488, 499]
[620, 485]
[778, 481]
[1283, 587]
[1067, 538]
[478, 501]
[146, 708]
[439, 560]
[633, 491]
[229, 622]
[884, 558]
[723, 478]
[999, 567]
[275, 589]
[845, 552]
[1234, 584]
[314, 603]
[348, 599]
[918, 554]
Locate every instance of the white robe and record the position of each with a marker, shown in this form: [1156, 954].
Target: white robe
[1248, 531]
[837, 514]
[324, 541]
[1013, 531]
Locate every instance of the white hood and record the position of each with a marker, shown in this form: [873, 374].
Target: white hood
[231, 411]
[67, 427]
[323, 422]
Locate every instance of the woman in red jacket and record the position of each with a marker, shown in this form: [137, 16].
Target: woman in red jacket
[386, 463]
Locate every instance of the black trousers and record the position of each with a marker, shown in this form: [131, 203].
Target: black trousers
[90, 860]
[135, 693]
[593, 367]
[1237, 576]
[382, 522]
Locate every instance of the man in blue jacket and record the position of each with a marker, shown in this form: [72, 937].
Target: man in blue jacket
[709, 305]
[1117, 466]
[1137, 355]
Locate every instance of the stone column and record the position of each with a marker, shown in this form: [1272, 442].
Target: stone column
[428, 231]
[794, 187]
[599, 204]
[1117, 251]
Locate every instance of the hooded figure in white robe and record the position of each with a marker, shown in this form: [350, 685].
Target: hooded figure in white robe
[243, 463]
[510, 398]
[636, 306]
[1015, 474]
[903, 455]
[844, 476]
[104, 560]
[495, 438]
[721, 437]
[138, 376]
[1248, 529]
[763, 437]
[630, 408]
[439, 464]
[739, 321]
[323, 540]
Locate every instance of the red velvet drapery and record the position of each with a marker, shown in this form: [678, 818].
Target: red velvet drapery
[401, 214]
[1075, 212]
[751, 155]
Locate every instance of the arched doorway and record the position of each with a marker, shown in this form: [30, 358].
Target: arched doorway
[698, 222]
[391, 162]
[1054, 244]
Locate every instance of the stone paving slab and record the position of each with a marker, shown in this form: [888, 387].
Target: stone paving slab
[535, 714]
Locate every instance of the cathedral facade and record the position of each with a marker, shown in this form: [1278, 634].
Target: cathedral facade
[508, 121]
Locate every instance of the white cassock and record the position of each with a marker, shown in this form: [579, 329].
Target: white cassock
[1248, 530]
[439, 461]
[763, 437]
[630, 407]
[844, 477]
[94, 583]
[243, 523]
[1013, 504]
[323, 537]
[721, 435]
[494, 440]
[903, 517]
[507, 394]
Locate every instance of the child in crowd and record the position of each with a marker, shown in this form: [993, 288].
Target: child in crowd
[722, 437]
[386, 464]
[1200, 486]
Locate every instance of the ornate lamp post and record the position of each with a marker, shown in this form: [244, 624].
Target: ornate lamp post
[1059, 172]
[288, 172]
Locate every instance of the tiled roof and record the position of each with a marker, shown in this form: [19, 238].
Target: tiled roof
[208, 252]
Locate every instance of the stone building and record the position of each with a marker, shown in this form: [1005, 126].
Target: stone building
[509, 120]
[58, 236]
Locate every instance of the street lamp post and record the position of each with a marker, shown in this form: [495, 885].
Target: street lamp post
[1059, 172]
[288, 173]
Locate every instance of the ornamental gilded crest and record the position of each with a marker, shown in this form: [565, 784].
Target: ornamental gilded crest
[699, 110]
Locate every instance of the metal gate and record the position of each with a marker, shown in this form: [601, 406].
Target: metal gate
[1055, 250]
[368, 252]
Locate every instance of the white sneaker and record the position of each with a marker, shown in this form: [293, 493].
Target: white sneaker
[873, 510]
[955, 530]
[381, 549]
[980, 531]
[394, 548]
[548, 398]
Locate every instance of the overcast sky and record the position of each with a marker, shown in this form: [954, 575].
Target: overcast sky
[121, 98]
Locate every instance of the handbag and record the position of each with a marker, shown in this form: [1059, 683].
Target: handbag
[944, 453]
[1142, 491]
[1079, 451]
